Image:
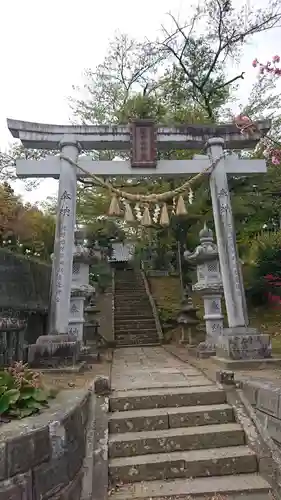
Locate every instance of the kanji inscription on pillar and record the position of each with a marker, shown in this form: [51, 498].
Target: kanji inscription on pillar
[144, 142]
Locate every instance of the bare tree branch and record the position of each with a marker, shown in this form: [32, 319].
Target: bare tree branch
[218, 52]
[229, 82]
[202, 58]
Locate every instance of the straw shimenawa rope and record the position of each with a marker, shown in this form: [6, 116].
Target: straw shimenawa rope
[150, 198]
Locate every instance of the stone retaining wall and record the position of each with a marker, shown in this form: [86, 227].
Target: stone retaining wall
[24, 291]
[41, 457]
[265, 397]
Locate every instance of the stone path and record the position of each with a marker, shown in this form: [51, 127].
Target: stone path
[152, 367]
[172, 434]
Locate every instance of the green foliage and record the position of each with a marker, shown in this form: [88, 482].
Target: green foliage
[264, 260]
[104, 230]
[24, 228]
[265, 240]
[22, 392]
[167, 316]
[100, 274]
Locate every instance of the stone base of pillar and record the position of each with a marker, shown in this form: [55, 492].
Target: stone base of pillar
[247, 364]
[205, 350]
[242, 345]
[53, 351]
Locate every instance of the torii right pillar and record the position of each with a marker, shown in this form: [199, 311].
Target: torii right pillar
[238, 345]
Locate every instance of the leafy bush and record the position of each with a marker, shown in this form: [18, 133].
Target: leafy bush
[255, 246]
[22, 392]
[263, 272]
[100, 274]
[167, 316]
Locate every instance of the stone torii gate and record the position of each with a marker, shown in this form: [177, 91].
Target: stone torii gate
[239, 341]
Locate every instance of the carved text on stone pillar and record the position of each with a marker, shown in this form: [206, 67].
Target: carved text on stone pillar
[225, 211]
[60, 269]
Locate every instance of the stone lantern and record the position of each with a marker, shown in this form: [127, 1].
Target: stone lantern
[209, 286]
[80, 288]
[187, 318]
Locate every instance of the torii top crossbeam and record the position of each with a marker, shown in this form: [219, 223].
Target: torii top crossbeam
[118, 137]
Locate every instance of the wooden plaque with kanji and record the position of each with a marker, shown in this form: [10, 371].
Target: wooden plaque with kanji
[144, 143]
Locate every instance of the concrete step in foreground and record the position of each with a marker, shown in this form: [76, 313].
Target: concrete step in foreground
[165, 398]
[172, 440]
[191, 464]
[169, 418]
[244, 486]
[179, 442]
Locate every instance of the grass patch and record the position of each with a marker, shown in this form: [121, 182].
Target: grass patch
[167, 295]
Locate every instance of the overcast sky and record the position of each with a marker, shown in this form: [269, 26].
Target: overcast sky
[45, 46]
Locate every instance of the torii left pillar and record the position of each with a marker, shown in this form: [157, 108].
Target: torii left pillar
[58, 345]
[64, 240]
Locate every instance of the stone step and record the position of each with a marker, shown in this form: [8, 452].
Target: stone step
[169, 418]
[148, 324]
[127, 339]
[191, 464]
[129, 304]
[126, 275]
[132, 318]
[247, 486]
[130, 293]
[133, 285]
[129, 284]
[135, 289]
[121, 315]
[169, 440]
[127, 310]
[142, 306]
[132, 299]
[142, 344]
[165, 398]
[144, 332]
[131, 341]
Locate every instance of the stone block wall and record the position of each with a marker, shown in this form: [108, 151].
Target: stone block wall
[41, 457]
[24, 282]
[24, 291]
[265, 398]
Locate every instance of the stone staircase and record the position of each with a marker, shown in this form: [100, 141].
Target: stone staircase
[134, 323]
[180, 443]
